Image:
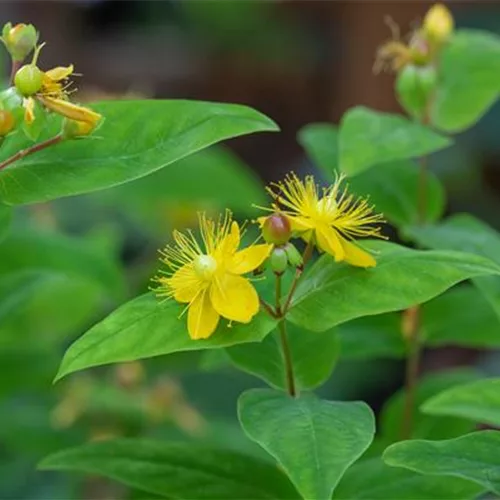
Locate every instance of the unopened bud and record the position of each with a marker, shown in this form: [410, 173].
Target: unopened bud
[73, 129]
[438, 24]
[19, 40]
[293, 255]
[276, 229]
[28, 80]
[278, 260]
[7, 122]
[414, 87]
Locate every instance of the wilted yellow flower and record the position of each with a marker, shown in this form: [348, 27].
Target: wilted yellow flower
[438, 23]
[51, 89]
[207, 276]
[396, 54]
[329, 217]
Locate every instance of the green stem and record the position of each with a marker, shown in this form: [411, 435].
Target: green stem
[33, 149]
[298, 273]
[287, 358]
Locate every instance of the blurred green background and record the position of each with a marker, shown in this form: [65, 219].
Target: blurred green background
[296, 61]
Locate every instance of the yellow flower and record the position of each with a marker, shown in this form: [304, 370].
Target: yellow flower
[207, 276]
[438, 23]
[329, 217]
[51, 89]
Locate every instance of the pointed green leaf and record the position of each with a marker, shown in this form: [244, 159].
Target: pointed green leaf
[313, 355]
[368, 137]
[465, 233]
[469, 84]
[136, 139]
[332, 293]
[478, 401]
[176, 470]
[462, 317]
[474, 457]
[146, 327]
[314, 441]
[373, 480]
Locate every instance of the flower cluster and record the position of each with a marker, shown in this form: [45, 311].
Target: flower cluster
[207, 273]
[37, 92]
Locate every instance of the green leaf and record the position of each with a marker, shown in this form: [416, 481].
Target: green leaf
[320, 140]
[473, 456]
[469, 84]
[136, 139]
[176, 470]
[146, 327]
[314, 356]
[373, 480]
[332, 293]
[478, 401]
[314, 441]
[392, 189]
[372, 337]
[465, 233]
[5, 218]
[461, 316]
[426, 426]
[59, 254]
[368, 137]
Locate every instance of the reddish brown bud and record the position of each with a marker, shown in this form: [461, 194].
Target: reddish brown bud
[276, 229]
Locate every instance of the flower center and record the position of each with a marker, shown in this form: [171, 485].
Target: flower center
[205, 267]
[325, 209]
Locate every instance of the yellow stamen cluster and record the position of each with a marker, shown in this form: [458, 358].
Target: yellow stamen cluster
[328, 217]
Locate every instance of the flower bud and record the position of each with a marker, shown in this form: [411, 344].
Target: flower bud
[278, 260]
[276, 229]
[73, 129]
[19, 40]
[293, 255]
[28, 80]
[11, 100]
[438, 24]
[7, 122]
[414, 87]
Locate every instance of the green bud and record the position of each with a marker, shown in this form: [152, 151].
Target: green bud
[28, 80]
[278, 260]
[11, 100]
[276, 229]
[414, 87]
[293, 255]
[19, 40]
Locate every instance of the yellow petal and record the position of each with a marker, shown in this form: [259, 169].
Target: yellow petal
[356, 256]
[202, 317]
[234, 298]
[59, 73]
[329, 241]
[248, 259]
[29, 110]
[300, 224]
[229, 244]
[185, 284]
[70, 110]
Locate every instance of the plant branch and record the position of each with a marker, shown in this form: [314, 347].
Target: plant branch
[33, 149]
[298, 273]
[267, 307]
